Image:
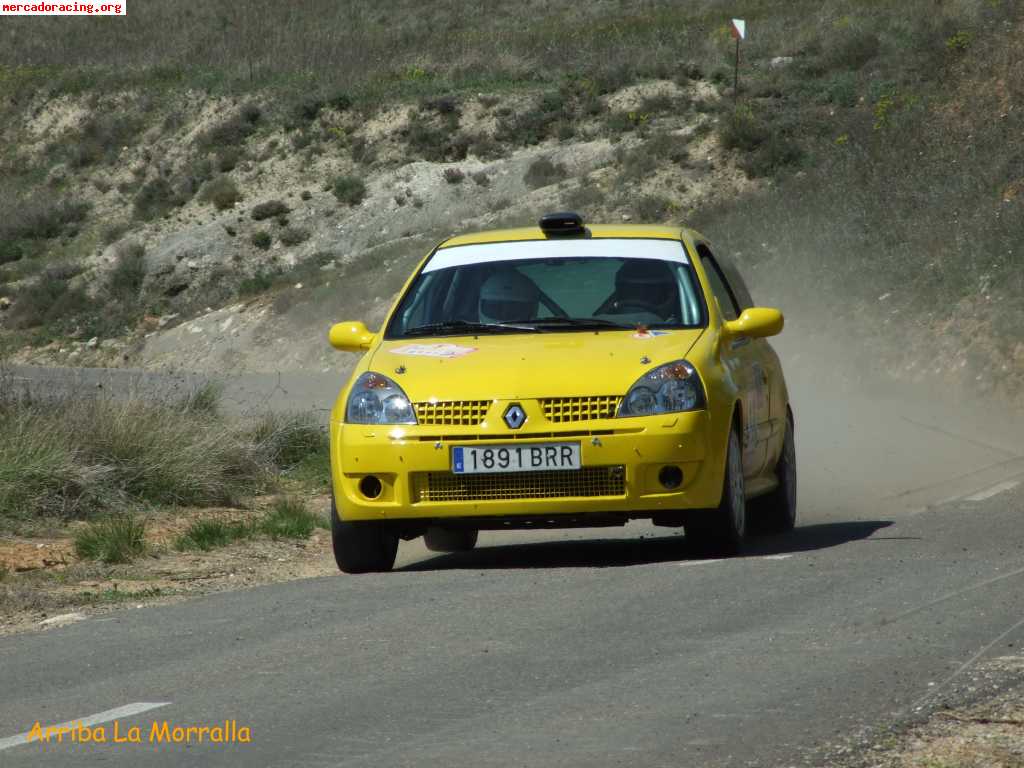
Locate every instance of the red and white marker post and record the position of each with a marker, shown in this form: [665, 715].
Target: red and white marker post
[738, 30]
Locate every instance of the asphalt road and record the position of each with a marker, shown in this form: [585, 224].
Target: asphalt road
[589, 648]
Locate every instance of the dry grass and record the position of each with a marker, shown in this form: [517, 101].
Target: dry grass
[80, 456]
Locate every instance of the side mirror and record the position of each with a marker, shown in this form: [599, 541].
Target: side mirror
[351, 336]
[755, 323]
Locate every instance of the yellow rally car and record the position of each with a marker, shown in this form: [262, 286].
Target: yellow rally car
[557, 376]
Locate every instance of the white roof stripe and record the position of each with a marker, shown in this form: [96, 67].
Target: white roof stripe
[608, 248]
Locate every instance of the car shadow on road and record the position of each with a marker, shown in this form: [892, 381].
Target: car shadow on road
[618, 552]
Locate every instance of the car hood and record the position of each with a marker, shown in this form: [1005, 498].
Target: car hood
[525, 366]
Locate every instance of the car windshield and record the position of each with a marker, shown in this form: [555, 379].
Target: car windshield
[537, 286]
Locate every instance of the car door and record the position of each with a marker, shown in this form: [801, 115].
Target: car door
[771, 427]
[745, 361]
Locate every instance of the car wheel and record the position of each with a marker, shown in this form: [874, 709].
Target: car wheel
[362, 546]
[721, 531]
[450, 539]
[777, 510]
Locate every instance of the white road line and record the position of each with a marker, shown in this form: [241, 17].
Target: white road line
[100, 717]
[690, 563]
[988, 493]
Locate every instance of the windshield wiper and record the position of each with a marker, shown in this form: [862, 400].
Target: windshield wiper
[582, 323]
[467, 327]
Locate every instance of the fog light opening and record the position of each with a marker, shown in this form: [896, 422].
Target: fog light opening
[670, 477]
[370, 486]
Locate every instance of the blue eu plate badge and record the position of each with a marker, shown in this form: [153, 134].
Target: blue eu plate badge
[458, 464]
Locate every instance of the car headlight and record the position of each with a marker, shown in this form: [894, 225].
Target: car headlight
[669, 388]
[376, 399]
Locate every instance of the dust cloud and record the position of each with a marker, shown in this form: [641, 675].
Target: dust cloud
[872, 444]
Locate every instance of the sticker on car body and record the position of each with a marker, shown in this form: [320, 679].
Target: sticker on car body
[646, 334]
[433, 350]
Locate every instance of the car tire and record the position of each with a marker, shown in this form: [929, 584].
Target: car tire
[362, 546]
[721, 532]
[776, 511]
[450, 539]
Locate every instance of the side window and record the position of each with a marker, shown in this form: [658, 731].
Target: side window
[736, 282]
[719, 287]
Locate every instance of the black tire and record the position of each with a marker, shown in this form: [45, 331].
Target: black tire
[721, 531]
[362, 546]
[776, 511]
[450, 539]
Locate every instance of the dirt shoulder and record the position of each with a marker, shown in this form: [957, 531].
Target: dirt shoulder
[978, 725]
[46, 586]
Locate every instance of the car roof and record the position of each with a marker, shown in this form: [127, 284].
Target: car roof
[639, 231]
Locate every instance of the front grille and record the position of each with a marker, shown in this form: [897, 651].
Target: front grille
[461, 413]
[497, 486]
[563, 409]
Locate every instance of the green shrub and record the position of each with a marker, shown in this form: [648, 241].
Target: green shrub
[443, 105]
[203, 398]
[119, 538]
[48, 300]
[349, 190]
[43, 476]
[163, 456]
[227, 159]
[959, 42]
[285, 439]
[770, 157]
[744, 130]
[542, 121]
[207, 534]
[436, 139]
[113, 231]
[293, 236]
[102, 137]
[484, 147]
[652, 208]
[121, 452]
[543, 172]
[125, 280]
[308, 109]
[222, 192]
[290, 519]
[233, 131]
[10, 251]
[841, 89]
[260, 282]
[269, 210]
[262, 239]
[454, 175]
[618, 123]
[157, 198]
[363, 151]
[585, 196]
[41, 216]
[340, 101]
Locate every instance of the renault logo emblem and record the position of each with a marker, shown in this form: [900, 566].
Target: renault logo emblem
[514, 416]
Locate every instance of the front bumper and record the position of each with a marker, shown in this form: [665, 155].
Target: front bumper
[622, 459]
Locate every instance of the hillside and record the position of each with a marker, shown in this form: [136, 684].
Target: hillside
[213, 196]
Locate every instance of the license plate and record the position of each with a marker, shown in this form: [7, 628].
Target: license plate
[535, 457]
